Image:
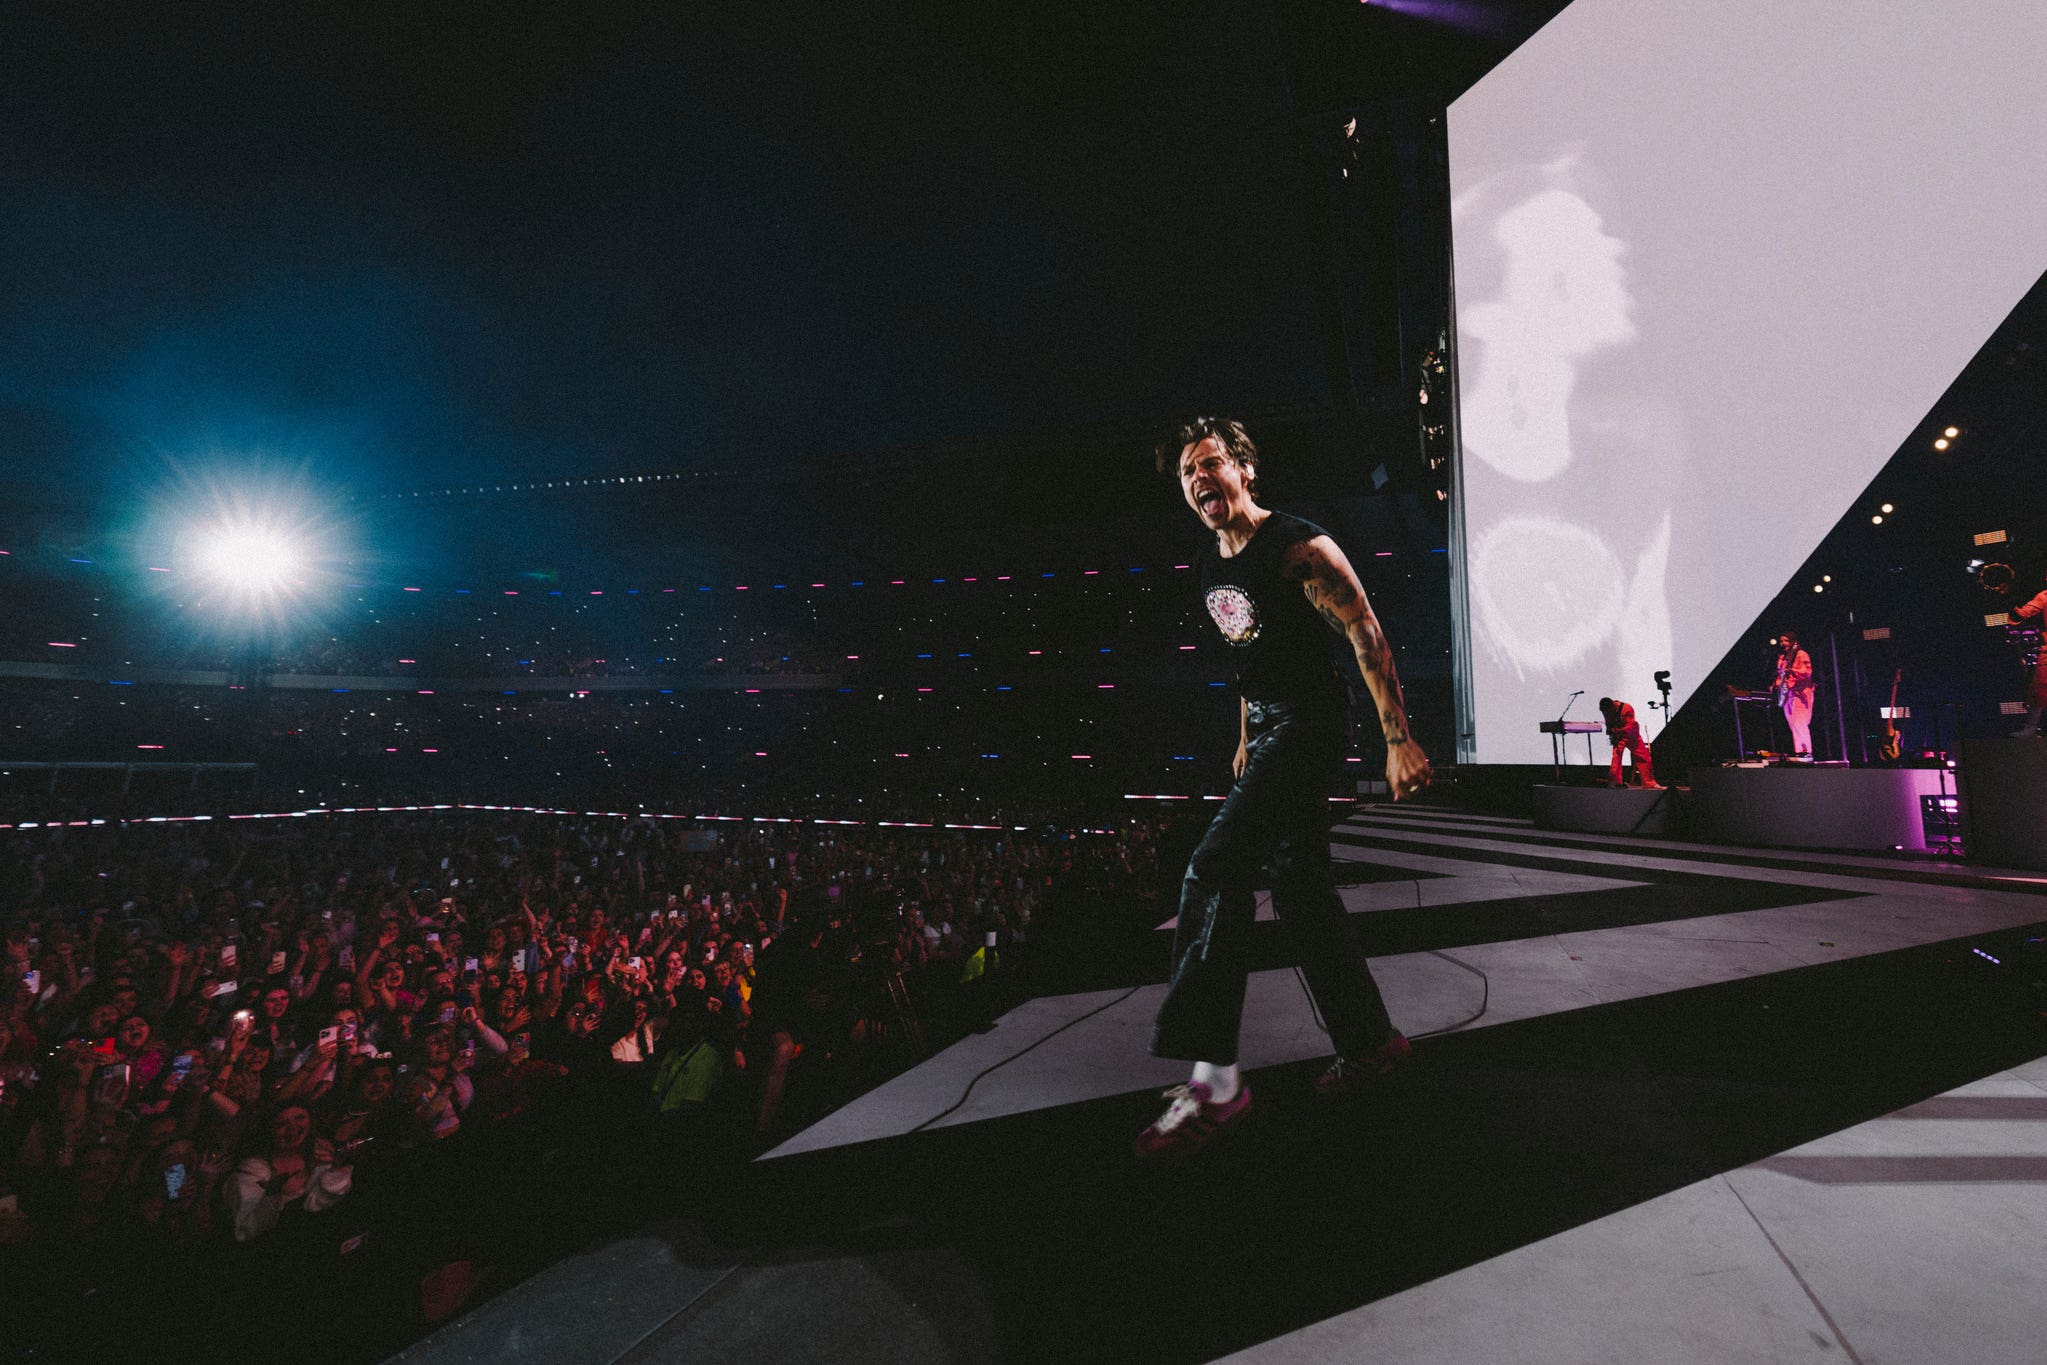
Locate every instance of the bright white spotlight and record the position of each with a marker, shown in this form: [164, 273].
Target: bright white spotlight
[250, 559]
[256, 547]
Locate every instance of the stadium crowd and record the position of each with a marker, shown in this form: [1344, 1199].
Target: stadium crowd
[305, 1035]
[1044, 754]
[767, 628]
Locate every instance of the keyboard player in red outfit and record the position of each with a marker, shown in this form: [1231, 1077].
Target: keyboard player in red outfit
[1626, 734]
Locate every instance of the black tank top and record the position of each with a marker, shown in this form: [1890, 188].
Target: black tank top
[1282, 643]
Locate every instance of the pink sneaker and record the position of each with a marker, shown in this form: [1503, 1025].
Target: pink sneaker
[1191, 1120]
[1346, 1074]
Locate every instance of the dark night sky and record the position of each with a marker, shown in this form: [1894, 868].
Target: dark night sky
[418, 245]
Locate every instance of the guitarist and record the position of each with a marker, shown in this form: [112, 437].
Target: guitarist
[1794, 691]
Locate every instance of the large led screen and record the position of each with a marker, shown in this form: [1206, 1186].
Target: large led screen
[1713, 264]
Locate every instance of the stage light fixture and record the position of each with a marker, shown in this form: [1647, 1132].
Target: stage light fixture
[1887, 509]
[1819, 587]
[1877, 520]
[1826, 578]
[1941, 444]
[249, 559]
[1952, 432]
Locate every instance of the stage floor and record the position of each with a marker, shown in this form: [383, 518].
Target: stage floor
[1693, 1103]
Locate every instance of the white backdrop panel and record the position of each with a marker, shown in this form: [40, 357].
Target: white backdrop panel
[1714, 261]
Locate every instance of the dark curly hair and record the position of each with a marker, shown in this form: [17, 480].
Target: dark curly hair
[1235, 440]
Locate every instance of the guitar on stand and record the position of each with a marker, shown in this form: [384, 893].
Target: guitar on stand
[1893, 743]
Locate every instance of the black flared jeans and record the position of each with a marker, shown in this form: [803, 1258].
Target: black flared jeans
[1276, 819]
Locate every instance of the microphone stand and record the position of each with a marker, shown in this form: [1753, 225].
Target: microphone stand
[1564, 740]
[1950, 820]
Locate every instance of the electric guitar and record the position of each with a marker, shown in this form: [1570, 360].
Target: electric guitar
[1890, 748]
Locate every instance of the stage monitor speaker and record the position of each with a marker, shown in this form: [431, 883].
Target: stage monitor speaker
[2004, 789]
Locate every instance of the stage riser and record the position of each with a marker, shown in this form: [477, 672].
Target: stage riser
[1605, 810]
[1877, 809]
[2005, 785]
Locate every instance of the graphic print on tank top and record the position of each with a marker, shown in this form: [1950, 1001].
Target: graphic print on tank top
[1234, 613]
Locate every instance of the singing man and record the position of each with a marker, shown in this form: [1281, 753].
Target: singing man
[1275, 586]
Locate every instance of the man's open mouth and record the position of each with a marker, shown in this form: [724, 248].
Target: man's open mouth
[1209, 503]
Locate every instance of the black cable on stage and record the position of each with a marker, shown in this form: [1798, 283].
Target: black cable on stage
[1485, 998]
[996, 1066]
[1485, 1001]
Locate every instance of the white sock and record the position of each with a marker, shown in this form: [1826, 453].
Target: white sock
[1222, 1081]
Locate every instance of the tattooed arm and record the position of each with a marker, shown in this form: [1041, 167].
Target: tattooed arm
[1333, 590]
